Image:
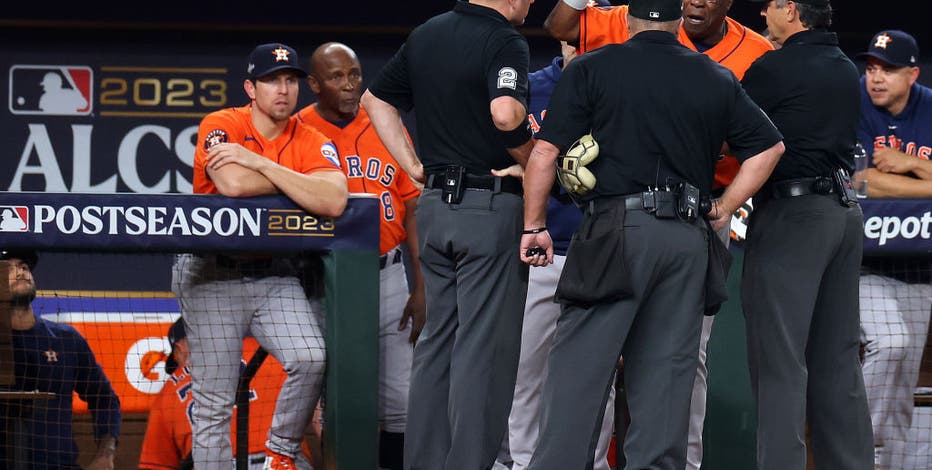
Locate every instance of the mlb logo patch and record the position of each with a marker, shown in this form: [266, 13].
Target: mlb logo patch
[55, 90]
[14, 218]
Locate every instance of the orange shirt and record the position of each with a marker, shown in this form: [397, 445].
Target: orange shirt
[736, 51]
[168, 432]
[369, 168]
[299, 148]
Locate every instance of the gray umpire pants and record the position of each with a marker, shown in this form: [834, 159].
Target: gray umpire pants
[657, 331]
[800, 297]
[220, 306]
[466, 358]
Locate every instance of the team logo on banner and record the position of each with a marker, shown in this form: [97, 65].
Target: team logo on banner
[57, 90]
[14, 219]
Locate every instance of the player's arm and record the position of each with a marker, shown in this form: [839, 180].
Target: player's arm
[880, 184]
[92, 386]
[391, 130]
[563, 21]
[236, 180]
[416, 309]
[322, 192]
[889, 160]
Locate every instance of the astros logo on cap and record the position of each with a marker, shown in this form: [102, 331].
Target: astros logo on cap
[281, 54]
[882, 41]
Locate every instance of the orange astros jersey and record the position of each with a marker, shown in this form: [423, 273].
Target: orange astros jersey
[168, 433]
[369, 168]
[736, 51]
[300, 148]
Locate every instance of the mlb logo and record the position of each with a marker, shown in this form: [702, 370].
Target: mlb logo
[54, 90]
[14, 218]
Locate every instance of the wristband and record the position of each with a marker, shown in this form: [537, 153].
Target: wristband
[517, 136]
[533, 231]
[577, 4]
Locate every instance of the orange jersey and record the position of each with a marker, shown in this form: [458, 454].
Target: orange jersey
[369, 168]
[299, 148]
[168, 432]
[736, 51]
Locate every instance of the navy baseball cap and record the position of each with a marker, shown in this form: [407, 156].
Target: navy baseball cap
[175, 333]
[656, 10]
[893, 47]
[28, 256]
[272, 57]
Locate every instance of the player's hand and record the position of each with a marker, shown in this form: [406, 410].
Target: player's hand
[719, 217]
[540, 240]
[225, 153]
[417, 175]
[516, 171]
[415, 312]
[890, 160]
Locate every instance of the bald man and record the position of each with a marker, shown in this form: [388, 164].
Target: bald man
[336, 79]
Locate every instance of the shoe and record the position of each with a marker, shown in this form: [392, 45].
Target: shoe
[275, 461]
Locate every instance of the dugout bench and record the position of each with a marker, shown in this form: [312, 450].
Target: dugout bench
[349, 245]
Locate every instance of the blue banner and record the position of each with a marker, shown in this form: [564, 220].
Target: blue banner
[180, 223]
[897, 226]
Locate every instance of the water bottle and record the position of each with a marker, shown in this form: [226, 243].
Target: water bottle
[858, 179]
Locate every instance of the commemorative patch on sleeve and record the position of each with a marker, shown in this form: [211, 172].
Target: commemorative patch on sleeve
[329, 151]
[215, 137]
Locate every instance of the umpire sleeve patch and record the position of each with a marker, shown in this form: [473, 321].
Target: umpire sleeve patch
[215, 137]
[507, 78]
[329, 151]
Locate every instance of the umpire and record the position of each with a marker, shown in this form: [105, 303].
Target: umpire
[641, 255]
[800, 283]
[465, 73]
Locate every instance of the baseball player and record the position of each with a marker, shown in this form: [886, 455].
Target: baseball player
[705, 29]
[540, 311]
[167, 443]
[896, 132]
[336, 79]
[253, 150]
[52, 357]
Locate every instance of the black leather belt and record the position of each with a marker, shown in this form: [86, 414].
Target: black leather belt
[480, 183]
[799, 187]
[389, 258]
[632, 202]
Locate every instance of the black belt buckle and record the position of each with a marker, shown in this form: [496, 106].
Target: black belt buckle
[453, 184]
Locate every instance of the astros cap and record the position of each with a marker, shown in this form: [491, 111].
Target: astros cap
[656, 10]
[28, 256]
[175, 333]
[893, 47]
[272, 57]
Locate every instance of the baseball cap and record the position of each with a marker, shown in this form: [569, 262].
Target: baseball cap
[272, 57]
[815, 3]
[175, 333]
[893, 47]
[28, 256]
[656, 10]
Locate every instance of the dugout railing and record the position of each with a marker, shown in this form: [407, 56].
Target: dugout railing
[348, 245]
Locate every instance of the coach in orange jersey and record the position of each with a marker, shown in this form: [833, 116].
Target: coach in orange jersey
[257, 149]
[706, 28]
[167, 443]
[336, 79]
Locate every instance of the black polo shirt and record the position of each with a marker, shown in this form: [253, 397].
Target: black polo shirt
[810, 90]
[659, 111]
[449, 70]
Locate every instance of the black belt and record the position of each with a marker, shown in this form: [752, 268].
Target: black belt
[632, 202]
[799, 187]
[257, 460]
[389, 259]
[481, 183]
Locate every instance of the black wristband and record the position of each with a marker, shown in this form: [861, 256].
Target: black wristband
[533, 231]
